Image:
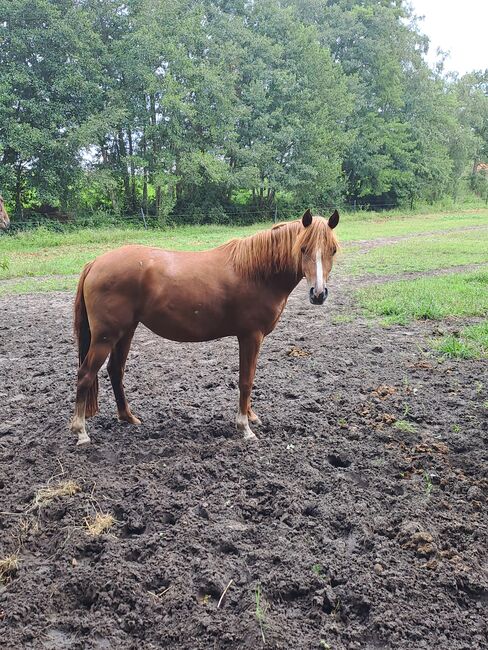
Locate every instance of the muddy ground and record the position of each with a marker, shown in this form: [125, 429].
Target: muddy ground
[355, 531]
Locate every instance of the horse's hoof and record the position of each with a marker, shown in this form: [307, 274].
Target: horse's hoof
[83, 439]
[249, 435]
[255, 419]
[130, 419]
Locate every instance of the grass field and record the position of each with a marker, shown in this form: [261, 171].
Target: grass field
[435, 298]
[42, 253]
[41, 261]
[424, 253]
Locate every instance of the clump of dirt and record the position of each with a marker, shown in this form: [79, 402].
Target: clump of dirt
[355, 533]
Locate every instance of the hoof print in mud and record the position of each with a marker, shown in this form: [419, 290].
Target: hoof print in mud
[338, 460]
[327, 600]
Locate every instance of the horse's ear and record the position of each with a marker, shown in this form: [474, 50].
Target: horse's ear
[307, 218]
[333, 219]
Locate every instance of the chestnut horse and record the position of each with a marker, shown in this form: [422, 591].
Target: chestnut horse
[238, 289]
[4, 220]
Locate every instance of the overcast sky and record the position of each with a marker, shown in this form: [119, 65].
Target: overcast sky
[458, 26]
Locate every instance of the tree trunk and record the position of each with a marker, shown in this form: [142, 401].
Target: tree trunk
[123, 165]
[144, 182]
[18, 190]
[158, 201]
[132, 173]
[113, 198]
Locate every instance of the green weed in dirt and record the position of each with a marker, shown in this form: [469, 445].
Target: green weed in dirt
[317, 569]
[470, 343]
[456, 294]
[405, 425]
[428, 483]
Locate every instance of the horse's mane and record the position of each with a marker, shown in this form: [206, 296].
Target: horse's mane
[280, 248]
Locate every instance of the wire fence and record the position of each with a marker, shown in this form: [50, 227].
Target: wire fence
[149, 221]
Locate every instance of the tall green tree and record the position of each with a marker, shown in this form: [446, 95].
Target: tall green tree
[48, 87]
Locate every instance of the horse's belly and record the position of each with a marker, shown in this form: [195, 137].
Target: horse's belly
[187, 325]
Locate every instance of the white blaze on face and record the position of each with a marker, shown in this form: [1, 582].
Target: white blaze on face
[319, 273]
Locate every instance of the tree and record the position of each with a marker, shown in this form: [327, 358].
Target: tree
[48, 87]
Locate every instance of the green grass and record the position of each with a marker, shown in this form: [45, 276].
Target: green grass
[456, 294]
[340, 319]
[424, 253]
[405, 426]
[371, 225]
[41, 285]
[470, 343]
[41, 252]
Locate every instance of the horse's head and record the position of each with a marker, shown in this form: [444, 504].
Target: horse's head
[4, 220]
[316, 245]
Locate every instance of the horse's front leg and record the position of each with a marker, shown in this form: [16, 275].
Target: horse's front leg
[249, 346]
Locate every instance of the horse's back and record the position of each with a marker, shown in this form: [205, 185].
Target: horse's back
[179, 295]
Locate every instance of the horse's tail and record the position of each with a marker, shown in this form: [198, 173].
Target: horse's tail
[83, 337]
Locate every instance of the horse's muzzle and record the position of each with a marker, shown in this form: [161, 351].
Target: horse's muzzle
[320, 299]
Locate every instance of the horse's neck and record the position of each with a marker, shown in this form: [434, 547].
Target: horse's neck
[268, 258]
[287, 278]
[283, 282]
[290, 276]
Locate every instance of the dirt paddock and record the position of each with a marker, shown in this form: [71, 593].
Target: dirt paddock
[358, 521]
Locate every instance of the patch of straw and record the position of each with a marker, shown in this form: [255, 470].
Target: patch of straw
[100, 523]
[294, 351]
[49, 492]
[8, 568]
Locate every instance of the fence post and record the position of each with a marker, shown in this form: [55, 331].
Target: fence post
[276, 213]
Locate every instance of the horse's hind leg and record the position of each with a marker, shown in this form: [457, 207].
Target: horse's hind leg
[87, 377]
[116, 367]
